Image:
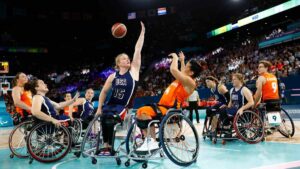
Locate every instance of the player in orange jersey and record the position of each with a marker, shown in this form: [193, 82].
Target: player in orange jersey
[67, 97]
[178, 91]
[22, 98]
[267, 87]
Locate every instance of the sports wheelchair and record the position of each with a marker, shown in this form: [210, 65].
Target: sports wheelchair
[276, 118]
[42, 141]
[248, 127]
[93, 141]
[177, 137]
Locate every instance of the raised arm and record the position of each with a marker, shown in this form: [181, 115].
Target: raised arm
[182, 59]
[185, 80]
[61, 105]
[79, 101]
[136, 61]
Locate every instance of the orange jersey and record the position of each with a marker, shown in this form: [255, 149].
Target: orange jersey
[66, 110]
[174, 92]
[26, 97]
[270, 88]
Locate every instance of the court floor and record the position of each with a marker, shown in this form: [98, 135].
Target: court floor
[277, 152]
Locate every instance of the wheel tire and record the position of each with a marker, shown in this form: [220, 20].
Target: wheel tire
[119, 162]
[145, 165]
[77, 154]
[85, 137]
[127, 164]
[94, 161]
[292, 123]
[161, 136]
[36, 157]
[127, 141]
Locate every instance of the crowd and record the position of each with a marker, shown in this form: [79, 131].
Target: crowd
[244, 59]
[221, 64]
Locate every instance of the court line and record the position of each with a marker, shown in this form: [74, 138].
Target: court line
[286, 165]
[281, 142]
[55, 166]
[226, 149]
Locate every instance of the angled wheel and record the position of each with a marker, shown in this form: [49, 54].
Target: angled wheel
[287, 127]
[179, 138]
[92, 138]
[46, 143]
[249, 127]
[17, 139]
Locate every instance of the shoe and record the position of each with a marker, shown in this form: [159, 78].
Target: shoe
[107, 152]
[104, 152]
[148, 145]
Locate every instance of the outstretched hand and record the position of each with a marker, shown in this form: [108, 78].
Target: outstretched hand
[143, 27]
[181, 56]
[173, 55]
[76, 96]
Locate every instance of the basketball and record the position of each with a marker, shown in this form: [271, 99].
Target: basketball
[118, 30]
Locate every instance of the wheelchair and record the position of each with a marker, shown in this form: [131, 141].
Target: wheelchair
[277, 119]
[248, 127]
[93, 141]
[177, 136]
[17, 139]
[42, 141]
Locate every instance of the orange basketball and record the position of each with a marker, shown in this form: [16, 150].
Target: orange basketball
[118, 30]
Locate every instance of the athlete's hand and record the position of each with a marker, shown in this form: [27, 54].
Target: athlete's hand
[223, 106]
[181, 56]
[99, 111]
[174, 56]
[76, 96]
[240, 111]
[56, 123]
[143, 27]
[72, 119]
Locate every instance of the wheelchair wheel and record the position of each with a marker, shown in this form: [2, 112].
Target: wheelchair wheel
[287, 127]
[17, 139]
[76, 130]
[249, 127]
[46, 143]
[134, 139]
[179, 139]
[92, 138]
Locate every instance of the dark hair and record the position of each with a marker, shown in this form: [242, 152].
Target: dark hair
[196, 67]
[31, 85]
[67, 93]
[212, 79]
[14, 81]
[89, 89]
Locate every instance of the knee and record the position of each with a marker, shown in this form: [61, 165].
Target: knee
[143, 124]
[142, 114]
[108, 120]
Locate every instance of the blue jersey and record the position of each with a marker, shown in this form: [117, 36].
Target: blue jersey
[218, 96]
[48, 108]
[86, 110]
[237, 98]
[123, 87]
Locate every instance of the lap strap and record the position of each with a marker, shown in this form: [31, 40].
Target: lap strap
[156, 109]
